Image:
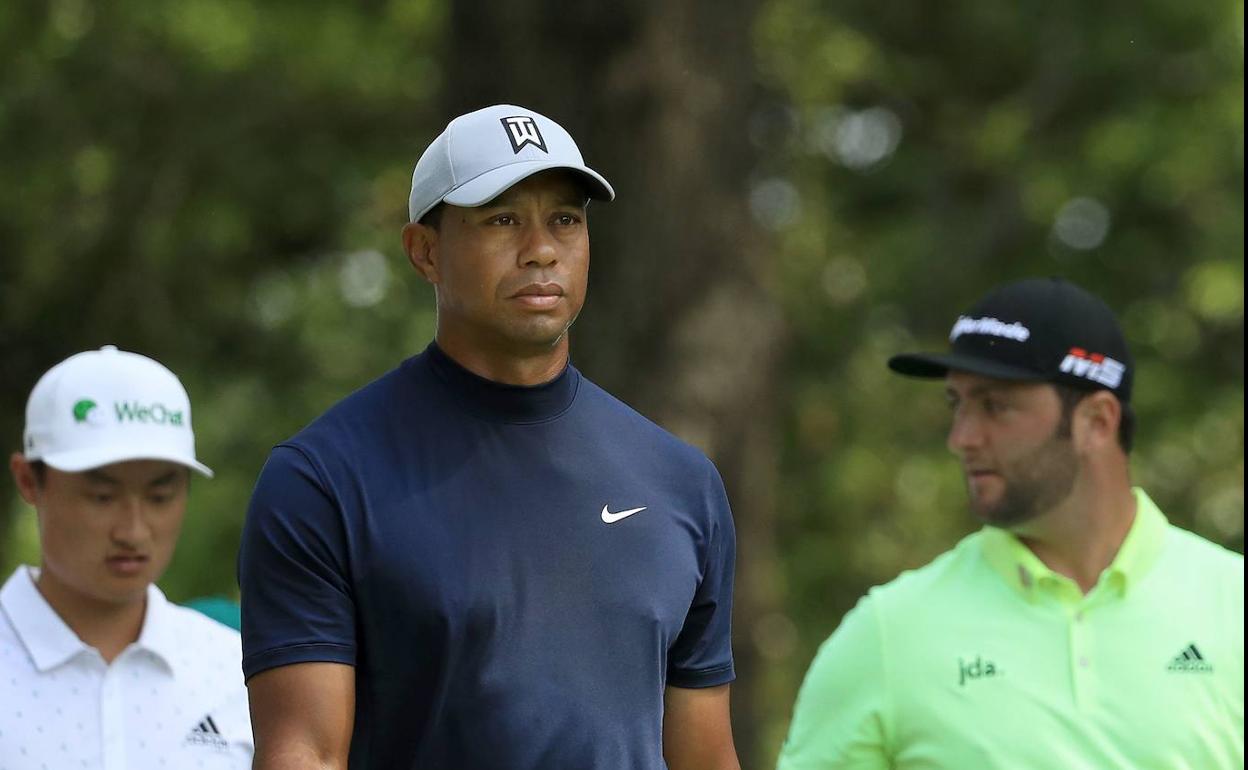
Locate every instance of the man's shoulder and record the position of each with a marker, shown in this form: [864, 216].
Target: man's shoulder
[1201, 565]
[947, 576]
[215, 640]
[360, 421]
[375, 402]
[189, 619]
[911, 606]
[209, 652]
[1203, 554]
[624, 423]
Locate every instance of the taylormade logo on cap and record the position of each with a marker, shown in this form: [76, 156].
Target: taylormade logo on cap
[483, 153]
[107, 406]
[989, 326]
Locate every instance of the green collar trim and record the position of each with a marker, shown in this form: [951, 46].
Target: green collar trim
[1023, 570]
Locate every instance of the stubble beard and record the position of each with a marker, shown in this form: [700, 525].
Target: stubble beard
[537, 335]
[523, 336]
[1034, 483]
[540, 334]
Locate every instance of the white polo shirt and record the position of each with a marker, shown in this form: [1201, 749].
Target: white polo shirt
[173, 700]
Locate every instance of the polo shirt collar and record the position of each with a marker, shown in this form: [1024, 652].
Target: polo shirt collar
[47, 639]
[50, 642]
[1023, 570]
[160, 634]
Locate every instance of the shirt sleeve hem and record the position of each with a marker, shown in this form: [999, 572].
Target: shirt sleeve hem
[318, 652]
[707, 677]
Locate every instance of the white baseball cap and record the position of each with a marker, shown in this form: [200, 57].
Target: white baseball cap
[107, 406]
[483, 153]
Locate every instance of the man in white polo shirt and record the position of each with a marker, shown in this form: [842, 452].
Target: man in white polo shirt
[97, 668]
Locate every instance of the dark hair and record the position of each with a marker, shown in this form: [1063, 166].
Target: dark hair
[1070, 397]
[433, 217]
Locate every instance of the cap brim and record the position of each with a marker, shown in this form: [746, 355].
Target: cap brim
[491, 184]
[936, 365]
[97, 457]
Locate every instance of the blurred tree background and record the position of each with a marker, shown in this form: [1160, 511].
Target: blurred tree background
[804, 189]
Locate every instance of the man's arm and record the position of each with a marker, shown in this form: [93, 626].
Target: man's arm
[302, 716]
[841, 710]
[697, 732]
[298, 613]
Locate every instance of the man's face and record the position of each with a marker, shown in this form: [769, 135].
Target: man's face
[1014, 444]
[105, 534]
[511, 275]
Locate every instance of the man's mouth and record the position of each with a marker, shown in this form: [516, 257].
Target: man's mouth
[539, 295]
[127, 565]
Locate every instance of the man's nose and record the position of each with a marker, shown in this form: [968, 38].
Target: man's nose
[131, 526]
[539, 247]
[965, 433]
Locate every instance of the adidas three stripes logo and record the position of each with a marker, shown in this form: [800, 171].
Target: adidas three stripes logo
[1190, 659]
[207, 733]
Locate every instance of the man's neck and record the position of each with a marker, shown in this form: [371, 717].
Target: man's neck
[108, 627]
[510, 367]
[1081, 537]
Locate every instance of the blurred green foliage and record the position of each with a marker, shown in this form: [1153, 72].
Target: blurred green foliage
[220, 184]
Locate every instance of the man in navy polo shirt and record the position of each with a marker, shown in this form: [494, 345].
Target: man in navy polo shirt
[483, 561]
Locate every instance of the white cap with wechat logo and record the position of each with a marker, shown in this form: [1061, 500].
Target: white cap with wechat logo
[107, 406]
[483, 153]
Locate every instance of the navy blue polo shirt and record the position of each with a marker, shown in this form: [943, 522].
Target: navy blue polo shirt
[516, 573]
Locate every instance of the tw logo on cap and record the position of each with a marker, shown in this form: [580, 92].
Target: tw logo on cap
[1097, 367]
[521, 131]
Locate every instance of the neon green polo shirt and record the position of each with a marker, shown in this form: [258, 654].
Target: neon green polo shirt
[987, 659]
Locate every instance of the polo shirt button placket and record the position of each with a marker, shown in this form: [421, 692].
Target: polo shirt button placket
[1080, 657]
[112, 731]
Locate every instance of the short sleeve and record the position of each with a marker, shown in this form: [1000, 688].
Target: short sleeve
[702, 653]
[297, 604]
[838, 720]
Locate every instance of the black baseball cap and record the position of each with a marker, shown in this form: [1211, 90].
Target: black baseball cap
[1035, 330]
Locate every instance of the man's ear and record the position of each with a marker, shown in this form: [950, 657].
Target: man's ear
[1095, 422]
[24, 477]
[421, 244]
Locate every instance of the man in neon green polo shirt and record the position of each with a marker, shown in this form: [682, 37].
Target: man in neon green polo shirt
[1078, 630]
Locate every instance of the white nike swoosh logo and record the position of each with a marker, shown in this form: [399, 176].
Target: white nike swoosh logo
[610, 518]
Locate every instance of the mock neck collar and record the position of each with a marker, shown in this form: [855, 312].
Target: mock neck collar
[500, 402]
